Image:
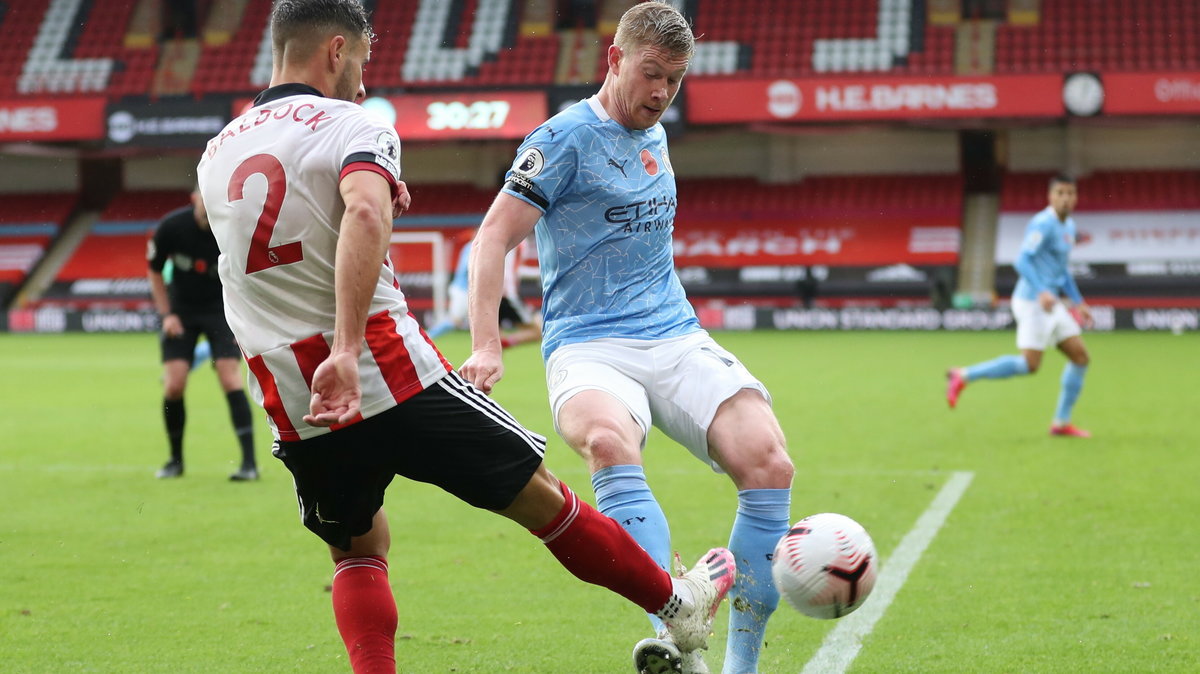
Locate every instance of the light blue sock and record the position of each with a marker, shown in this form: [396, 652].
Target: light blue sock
[203, 352]
[1072, 384]
[440, 329]
[622, 494]
[762, 519]
[997, 368]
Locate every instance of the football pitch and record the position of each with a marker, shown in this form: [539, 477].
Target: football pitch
[1055, 554]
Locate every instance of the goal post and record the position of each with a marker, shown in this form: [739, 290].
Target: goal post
[423, 269]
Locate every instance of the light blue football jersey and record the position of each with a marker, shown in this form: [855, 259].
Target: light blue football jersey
[607, 194]
[1042, 262]
[459, 280]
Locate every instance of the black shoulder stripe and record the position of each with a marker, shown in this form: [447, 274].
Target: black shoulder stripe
[523, 186]
[359, 156]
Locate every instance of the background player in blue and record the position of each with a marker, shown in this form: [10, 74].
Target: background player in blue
[1042, 318]
[622, 344]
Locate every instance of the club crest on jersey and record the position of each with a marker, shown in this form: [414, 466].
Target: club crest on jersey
[649, 162]
[530, 162]
[666, 160]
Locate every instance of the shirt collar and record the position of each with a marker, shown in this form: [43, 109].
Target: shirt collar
[284, 91]
[594, 103]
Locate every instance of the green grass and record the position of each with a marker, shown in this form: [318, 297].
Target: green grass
[1062, 556]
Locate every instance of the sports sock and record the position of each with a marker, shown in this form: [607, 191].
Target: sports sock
[997, 368]
[202, 353]
[596, 550]
[175, 415]
[762, 519]
[239, 412]
[440, 329]
[1072, 384]
[622, 494]
[365, 611]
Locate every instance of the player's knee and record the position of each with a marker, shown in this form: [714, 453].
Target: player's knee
[776, 467]
[763, 465]
[1082, 359]
[1033, 364]
[604, 446]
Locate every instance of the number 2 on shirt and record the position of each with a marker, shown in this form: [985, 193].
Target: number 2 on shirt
[262, 255]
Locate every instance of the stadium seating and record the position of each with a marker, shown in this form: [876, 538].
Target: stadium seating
[746, 197]
[29, 223]
[109, 265]
[1109, 191]
[824, 196]
[1103, 36]
[514, 43]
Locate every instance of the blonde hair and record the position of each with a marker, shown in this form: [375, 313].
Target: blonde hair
[655, 24]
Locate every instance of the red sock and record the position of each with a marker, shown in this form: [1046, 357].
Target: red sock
[365, 611]
[597, 550]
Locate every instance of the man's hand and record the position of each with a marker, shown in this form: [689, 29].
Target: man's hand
[337, 395]
[172, 326]
[1085, 315]
[402, 200]
[483, 368]
[1047, 300]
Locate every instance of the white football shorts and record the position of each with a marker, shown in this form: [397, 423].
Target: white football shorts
[1038, 329]
[675, 384]
[457, 309]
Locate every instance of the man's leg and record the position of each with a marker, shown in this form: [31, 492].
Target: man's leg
[601, 430]
[521, 335]
[1001, 367]
[363, 605]
[1034, 329]
[595, 549]
[746, 441]
[1071, 386]
[229, 372]
[175, 373]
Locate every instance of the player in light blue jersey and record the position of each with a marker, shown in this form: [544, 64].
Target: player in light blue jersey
[456, 314]
[1042, 318]
[622, 344]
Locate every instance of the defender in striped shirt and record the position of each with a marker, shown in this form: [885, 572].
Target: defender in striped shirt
[301, 192]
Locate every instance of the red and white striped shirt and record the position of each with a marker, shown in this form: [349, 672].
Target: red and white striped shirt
[270, 184]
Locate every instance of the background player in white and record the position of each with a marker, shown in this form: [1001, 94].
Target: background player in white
[1042, 318]
[301, 191]
[623, 346]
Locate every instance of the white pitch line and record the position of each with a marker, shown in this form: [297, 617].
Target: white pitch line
[842, 644]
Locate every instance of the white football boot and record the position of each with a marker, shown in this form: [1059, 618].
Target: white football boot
[708, 581]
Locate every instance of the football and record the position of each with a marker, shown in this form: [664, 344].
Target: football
[825, 566]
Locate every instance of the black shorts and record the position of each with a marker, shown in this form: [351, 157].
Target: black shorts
[212, 325]
[513, 314]
[450, 435]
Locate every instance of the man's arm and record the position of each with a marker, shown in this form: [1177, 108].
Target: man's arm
[1034, 239]
[171, 325]
[507, 223]
[157, 250]
[363, 238]
[1081, 307]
